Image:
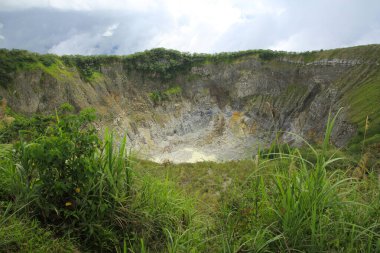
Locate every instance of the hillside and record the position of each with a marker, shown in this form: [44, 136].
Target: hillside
[188, 107]
[109, 178]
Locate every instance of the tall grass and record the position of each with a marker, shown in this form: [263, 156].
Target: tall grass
[85, 189]
[22, 235]
[90, 192]
[294, 204]
[310, 204]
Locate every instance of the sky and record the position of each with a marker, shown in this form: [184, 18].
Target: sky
[120, 27]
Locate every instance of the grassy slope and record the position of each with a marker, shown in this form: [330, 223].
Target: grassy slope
[364, 100]
[206, 180]
[244, 199]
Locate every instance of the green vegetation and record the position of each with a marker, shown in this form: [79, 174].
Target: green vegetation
[87, 66]
[59, 175]
[157, 64]
[63, 189]
[289, 200]
[160, 63]
[158, 96]
[12, 61]
[23, 235]
[363, 100]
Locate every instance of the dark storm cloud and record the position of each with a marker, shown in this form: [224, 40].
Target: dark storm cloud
[126, 26]
[78, 32]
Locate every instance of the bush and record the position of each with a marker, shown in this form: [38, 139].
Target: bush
[13, 60]
[87, 66]
[81, 187]
[57, 164]
[74, 180]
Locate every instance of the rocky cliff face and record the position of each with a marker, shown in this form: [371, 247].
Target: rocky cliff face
[214, 110]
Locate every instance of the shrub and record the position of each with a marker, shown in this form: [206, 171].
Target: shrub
[57, 162]
[82, 187]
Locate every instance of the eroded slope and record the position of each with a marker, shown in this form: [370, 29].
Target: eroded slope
[186, 108]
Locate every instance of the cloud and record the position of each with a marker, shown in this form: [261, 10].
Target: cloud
[194, 28]
[306, 25]
[84, 44]
[127, 26]
[372, 37]
[1, 36]
[116, 33]
[79, 5]
[110, 30]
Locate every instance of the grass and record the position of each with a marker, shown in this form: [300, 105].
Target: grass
[62, 189]
[94, 196]
[284, 204]
[80, 187]
[363, 101]
[22, 235]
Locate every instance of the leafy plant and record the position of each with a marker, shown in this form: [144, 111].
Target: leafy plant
[57, 163]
